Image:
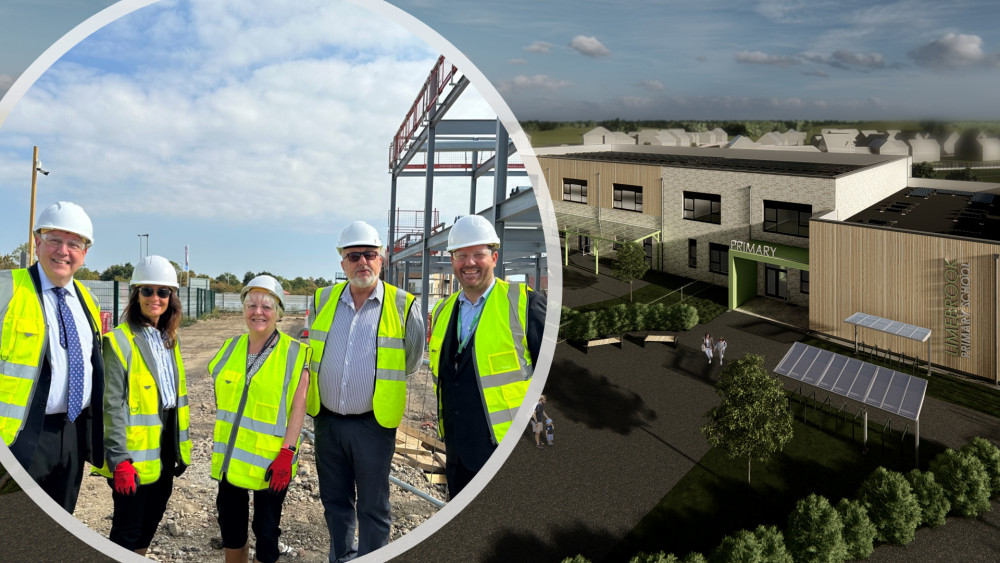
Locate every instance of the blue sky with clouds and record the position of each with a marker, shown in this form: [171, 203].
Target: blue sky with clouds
[253, 131]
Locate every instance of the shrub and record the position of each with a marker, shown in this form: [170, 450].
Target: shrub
[814, 532]
[890, 503]
[989, 454]
[772, 544]
[740, 547]
[859, 531]
[655, 317]
[577, 559]
[934, 505]
[694, 557]
[681, 316]
[660, 557]
[583, 327]
[707, 309]
[637, 316]
[965, 482]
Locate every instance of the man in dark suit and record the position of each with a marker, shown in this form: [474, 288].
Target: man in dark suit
[51, 369]
[483, 348]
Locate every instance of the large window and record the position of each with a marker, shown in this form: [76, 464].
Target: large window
[718, 258]
[628, 197]
[703, 207]
[787, 218]
[692, 253]
[804, 281]
[574, 190]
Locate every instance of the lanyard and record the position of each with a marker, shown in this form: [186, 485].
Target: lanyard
[475, 323]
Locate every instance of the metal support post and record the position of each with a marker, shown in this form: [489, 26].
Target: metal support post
[500, 190]
[425, 265]
[391, 246]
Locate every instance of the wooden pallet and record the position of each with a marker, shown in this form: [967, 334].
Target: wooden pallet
[419, 449]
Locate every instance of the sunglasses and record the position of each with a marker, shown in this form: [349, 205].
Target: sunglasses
[355, 256]
[161, 292]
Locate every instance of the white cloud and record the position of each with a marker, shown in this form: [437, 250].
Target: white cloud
[758, 57]
[534, 82]
[589, 46]
[845, 59]
[539, 47]
[517, 61]
[951, 51]
[652, 85]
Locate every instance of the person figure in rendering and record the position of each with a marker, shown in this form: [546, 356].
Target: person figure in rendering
[52, 373]
[367, 339]
[720, 347]
[707, 345]
[538, 418]
[483, 348]
[146, 414]
[261, 386]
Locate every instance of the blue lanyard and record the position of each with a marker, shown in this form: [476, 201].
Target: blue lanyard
[475, 321]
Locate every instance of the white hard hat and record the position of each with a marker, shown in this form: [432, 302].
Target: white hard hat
[154, 270]
[358, 233]
[66, 216]
[472, 230]
[268, 284]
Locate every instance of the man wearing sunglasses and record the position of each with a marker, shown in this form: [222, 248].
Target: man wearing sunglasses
[366, 341]
[51, 370]
[483, 347]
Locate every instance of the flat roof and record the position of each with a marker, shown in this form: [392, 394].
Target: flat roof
[957, 212]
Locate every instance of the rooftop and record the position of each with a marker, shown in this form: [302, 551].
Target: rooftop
[939, 211]
[815, 165]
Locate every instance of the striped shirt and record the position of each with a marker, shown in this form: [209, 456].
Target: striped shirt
[58, 399]
[163, 358]
[347, 369]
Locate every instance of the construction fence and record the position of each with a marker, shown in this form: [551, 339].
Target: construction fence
[230, 303]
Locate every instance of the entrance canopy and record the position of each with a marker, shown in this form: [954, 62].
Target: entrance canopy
[743, 258]
[603, 230]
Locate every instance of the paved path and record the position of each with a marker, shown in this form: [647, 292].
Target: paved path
[29, 534]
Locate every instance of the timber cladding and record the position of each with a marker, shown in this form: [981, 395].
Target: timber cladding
[600, 176]
[945, 284]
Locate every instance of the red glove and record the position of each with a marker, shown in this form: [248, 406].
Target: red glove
[279, 473]
[126, 478]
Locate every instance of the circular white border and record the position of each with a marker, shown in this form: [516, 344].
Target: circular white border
[524, 149]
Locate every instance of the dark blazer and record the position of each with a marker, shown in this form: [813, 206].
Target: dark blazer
[467, 434]
[92, 417]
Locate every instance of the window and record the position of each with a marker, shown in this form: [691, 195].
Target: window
[787, 218]
[628, 197]
[804, 281]
[575, 190]
[692, 253]
[703, 207]
[718, 258]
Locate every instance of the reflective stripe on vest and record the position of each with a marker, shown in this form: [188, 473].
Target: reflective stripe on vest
[143, 423]
[23, 341]
[252, 419]
[389, 395]
[503, 364]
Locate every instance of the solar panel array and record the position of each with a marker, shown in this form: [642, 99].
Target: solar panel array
[913, 332]
[956, 192]
[983, 198]
[920, 192]
[883, 388]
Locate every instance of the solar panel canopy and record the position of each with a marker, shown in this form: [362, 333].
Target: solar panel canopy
[913, 332]
[883, 388]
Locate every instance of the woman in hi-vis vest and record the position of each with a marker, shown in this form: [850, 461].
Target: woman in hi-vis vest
[261, 380]
[146, 440]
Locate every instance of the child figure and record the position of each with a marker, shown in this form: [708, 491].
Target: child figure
[549, 430]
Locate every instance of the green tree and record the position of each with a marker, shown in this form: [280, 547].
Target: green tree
[660, 557]
[965, 482]
[227, 278]
[934, 505]
[815, 532]
[85, 273]
[248, 276]
[859, 531]
[922, 170]
[631, 264]
[891, 505]
[965, 174]
[772, 544]
[739, 547]
[118, 272]
[989, 454]
[753, 420]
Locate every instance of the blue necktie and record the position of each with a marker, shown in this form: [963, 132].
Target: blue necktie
[70, 340]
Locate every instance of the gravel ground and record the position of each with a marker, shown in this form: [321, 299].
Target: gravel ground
[189, 531]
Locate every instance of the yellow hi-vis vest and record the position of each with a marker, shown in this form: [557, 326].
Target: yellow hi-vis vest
[389, 395]
[22, 346]
[503, 361]
[252, 416]
[144, 426]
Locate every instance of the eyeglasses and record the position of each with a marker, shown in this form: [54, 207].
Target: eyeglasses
[355, 256]
[161, 292]
[56, 241]
[477, 256]
[257, 307]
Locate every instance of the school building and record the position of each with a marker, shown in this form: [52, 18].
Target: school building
[839, 233]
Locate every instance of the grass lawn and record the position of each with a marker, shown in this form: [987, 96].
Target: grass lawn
[713, 500]
[560, 136]
[985, 174]
[982, 397]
